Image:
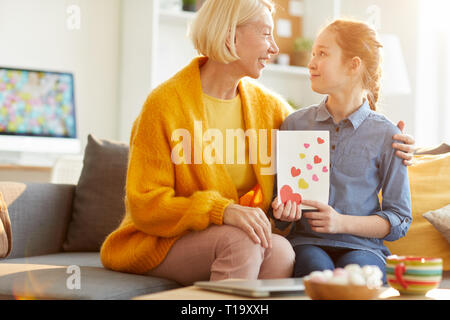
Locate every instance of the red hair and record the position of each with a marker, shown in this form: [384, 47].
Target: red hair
[357, 39]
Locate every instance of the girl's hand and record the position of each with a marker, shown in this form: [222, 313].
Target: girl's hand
[406, 149]
[251, 220]
[325, 220]
[290, 212]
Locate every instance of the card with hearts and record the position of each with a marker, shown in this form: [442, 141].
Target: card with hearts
[303, 166]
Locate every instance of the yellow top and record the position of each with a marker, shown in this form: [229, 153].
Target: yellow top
[166, 198]
[226, 115]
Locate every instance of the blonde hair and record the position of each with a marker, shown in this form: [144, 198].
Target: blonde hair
[216, 23]
[358, 39]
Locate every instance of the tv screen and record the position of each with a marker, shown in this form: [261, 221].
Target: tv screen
[37, 103]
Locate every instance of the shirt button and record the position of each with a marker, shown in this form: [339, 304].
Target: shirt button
[333, 147]
[337, 129]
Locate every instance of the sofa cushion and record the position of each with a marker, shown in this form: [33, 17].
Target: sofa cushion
[39, 214]
[5, 229]
[440, 219]
[48, 277]
[429, 180]
[85, 259]
[98, 206]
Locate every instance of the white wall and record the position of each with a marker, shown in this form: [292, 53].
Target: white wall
[433, 84]
[138, 53]
[34, 35]
[153, 48]
[174, 49]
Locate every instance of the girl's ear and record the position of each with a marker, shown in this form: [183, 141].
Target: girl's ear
[356, 64]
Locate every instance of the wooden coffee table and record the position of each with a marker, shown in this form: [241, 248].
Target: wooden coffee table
[194, 293]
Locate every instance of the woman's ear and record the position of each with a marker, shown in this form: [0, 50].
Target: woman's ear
[228, 39]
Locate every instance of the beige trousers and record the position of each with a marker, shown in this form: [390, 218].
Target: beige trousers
[224, 252]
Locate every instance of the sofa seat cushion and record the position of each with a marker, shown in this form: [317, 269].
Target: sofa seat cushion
[49, 277]
[85, 259]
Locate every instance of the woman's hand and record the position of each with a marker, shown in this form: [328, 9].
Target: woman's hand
[251, 220]
[290, 212]
[406, 149]
[325, 219]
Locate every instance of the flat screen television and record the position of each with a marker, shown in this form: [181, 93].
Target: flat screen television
[37, 111]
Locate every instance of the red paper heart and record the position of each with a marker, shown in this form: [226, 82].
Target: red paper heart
[287, 194]
[320, 141]
[325, 169]
[317, 160]
[295, 172]
[306, 145]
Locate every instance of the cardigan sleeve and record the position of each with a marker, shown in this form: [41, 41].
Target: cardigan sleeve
[150, 187]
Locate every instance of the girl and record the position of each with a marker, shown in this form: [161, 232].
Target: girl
[351, 228]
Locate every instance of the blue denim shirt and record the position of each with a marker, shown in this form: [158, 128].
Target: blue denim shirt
[362, 162]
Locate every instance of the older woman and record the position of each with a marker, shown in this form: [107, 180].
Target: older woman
[196, 203]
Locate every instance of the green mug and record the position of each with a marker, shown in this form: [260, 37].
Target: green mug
[413, 274]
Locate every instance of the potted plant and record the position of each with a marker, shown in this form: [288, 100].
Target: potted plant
[189, 5]
[302, 51]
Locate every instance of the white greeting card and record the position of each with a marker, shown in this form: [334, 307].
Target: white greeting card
[303, 166]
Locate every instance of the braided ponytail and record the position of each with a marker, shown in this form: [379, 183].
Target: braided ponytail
[373, 89]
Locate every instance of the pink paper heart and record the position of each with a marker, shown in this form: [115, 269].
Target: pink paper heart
[315, 178]
[295, 172]
[309, 167]
[307, 145]
[286, 194]
[325, 169]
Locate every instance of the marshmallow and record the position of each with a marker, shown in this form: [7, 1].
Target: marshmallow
[352, 274]
[353, 268]
[317, 276]
[357, 279]
[341, 280]
[328, 274]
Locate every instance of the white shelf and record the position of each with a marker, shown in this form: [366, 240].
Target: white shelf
[292, 70]
[176, 16]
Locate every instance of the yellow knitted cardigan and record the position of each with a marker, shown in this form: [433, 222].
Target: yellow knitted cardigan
[165, 201]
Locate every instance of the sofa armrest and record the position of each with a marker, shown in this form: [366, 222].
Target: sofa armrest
[39, 214]
[440, 149]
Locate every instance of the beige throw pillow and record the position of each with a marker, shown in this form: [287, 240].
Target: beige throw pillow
[440, 219]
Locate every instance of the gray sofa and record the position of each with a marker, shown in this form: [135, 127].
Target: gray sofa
[56, 226]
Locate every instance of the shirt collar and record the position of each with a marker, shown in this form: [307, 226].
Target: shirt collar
[356, 118]
[322, 112]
